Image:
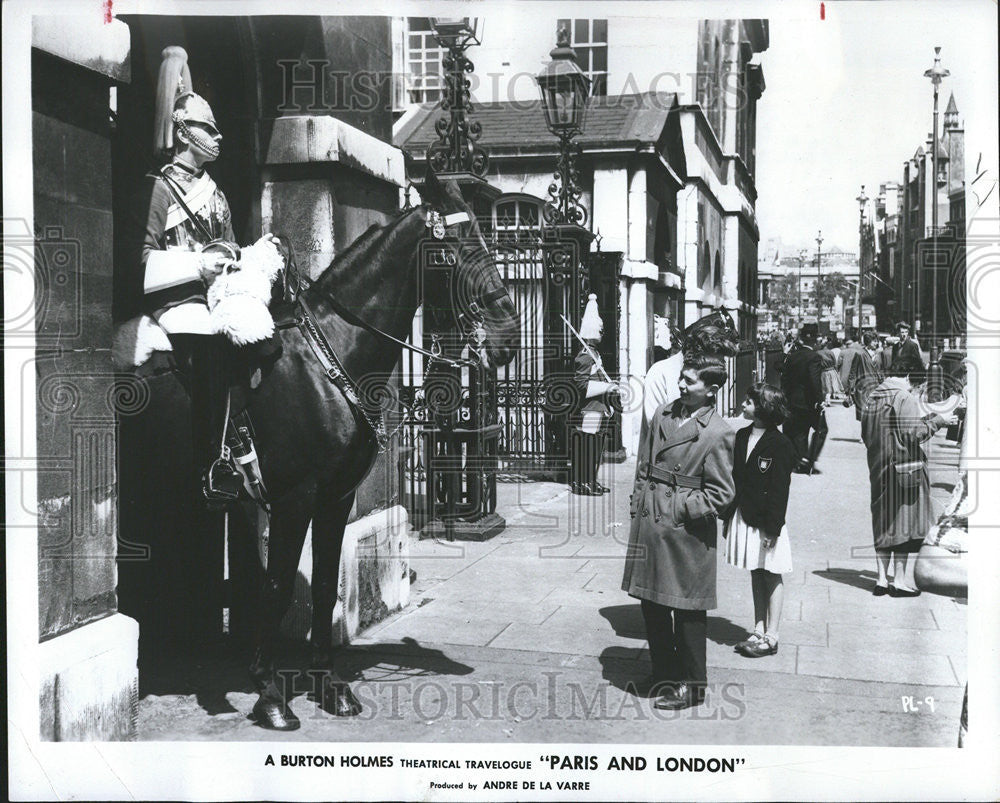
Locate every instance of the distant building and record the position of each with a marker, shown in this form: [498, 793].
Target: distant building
[923, 270]
[802, 268]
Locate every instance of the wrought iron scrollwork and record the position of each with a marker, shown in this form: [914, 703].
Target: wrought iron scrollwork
[456, 149]
[563, 205]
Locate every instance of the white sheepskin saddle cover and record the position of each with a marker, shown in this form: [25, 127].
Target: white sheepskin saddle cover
[237, 303]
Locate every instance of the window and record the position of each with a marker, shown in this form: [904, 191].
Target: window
[517, 219]
[424, 58]
[589, 38]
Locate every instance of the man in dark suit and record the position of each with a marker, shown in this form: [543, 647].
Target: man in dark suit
[906, 350]
[802, 383]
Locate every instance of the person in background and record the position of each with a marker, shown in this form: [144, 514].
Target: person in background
[802, 384]
[683, 483]
[893, 430]
[597, 398]
[905, 349]
[763, 461]
[865, 374]
[852, 347]
[828, 351]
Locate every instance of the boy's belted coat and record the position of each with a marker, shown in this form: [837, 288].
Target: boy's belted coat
[672, 543]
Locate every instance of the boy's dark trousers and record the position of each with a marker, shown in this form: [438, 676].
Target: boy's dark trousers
[676, 643]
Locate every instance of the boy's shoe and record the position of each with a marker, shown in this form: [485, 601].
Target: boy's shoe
[681, 696]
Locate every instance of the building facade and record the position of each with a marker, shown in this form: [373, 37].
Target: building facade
[667, 167]
[922, 269]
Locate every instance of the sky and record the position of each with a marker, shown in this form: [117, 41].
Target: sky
[847, 103]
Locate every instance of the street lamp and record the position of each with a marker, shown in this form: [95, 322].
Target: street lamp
[819, 276]
[456, 150]
[862, 200]
[936, 73]
[564, 89]
[802, 259]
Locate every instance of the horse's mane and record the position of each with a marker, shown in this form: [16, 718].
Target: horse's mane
[372, 237]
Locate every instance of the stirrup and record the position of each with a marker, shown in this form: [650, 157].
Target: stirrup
[222, 484]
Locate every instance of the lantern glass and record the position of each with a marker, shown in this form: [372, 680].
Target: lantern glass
[564, 96]
[457, 30]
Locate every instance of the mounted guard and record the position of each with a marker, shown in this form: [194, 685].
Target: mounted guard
[177, 241]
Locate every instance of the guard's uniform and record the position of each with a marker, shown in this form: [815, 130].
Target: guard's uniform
[161, 255]
[172, 287]
[586, 436]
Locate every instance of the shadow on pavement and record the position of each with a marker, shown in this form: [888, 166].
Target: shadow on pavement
[392, 662]
[724, 631]
[858, 578]
[627, 669]
[212, 671]
[625, 620]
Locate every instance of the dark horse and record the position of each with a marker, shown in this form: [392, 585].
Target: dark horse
[314, 451]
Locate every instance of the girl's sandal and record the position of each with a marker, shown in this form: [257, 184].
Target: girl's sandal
[752, 639]
[766, 646]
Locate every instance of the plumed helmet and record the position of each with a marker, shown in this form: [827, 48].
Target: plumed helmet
[591, 326]
[175, 102]
[661, 332]
[192, 108]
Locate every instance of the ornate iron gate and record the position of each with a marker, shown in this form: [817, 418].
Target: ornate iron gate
[547, 281]
[523, 405]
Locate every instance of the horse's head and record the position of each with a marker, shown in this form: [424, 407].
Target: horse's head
[470, 295]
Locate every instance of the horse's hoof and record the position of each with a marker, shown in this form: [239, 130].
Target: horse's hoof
[338, 700]
[275, 715]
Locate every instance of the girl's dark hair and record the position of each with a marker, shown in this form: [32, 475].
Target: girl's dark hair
[769, 402]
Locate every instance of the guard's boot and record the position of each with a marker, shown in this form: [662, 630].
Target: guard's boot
[597, 453]
[580, 464]
[221, 481]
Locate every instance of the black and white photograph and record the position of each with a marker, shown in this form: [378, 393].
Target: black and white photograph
[568, 401]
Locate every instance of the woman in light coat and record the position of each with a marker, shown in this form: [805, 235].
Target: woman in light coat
[893, 429]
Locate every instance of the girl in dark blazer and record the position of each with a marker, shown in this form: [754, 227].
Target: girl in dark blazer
[763, 461]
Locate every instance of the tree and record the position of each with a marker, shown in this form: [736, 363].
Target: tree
[827, 288]
[783, 297]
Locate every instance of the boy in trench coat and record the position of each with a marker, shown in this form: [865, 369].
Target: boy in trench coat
[684, 482]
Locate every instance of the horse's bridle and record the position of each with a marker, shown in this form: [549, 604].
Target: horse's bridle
[469, 322]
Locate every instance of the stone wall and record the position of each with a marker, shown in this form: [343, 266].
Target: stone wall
[87, 656]
[75, 383]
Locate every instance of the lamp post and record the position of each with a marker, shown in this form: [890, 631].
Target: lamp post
[456, 150]
[802, 259]
[564, 90]
[819, 276]
[936, 74]
[862, 200]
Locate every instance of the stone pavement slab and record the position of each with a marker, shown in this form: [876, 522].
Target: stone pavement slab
[877, 665]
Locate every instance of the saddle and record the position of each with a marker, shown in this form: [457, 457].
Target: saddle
[142, 347]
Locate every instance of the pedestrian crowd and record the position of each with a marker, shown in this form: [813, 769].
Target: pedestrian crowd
[694, 469]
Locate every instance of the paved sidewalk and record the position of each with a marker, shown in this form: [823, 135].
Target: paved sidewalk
[528, 637]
